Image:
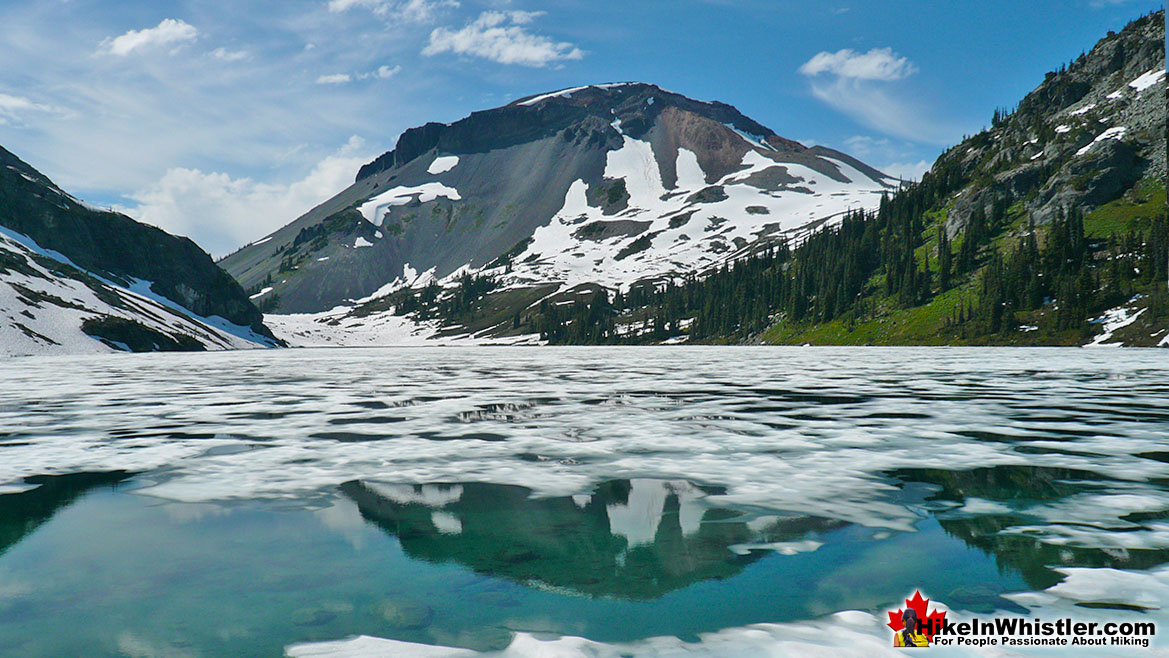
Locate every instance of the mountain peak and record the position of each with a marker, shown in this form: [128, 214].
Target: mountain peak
[589, 93]
[633, 108]
[604, 184]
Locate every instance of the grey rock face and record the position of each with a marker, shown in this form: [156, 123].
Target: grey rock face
[1086, 135]
[1090, 180]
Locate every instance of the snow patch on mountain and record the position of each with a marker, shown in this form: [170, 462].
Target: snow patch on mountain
[690, 174]
[145, 289]
[340, 328]
[1147, 80]
[45, 298]
[1117, 132]
[757, 141]
[337, 328]
[684, 231]
[565, 93]
[636, 165]
[442, 164]
[1113, 320]
[374, 210]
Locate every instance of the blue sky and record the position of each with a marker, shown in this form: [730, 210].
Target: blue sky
[223, 120]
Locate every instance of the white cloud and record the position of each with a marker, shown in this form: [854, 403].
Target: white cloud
[13, 108]
[220, 213]
[377, 6]
[880, 149]
[857, 85]
[874, 107]
[501, 37]
[229, 55]
[169, 31]
[103, 131]
[863, 146]
[423, 10]
[418, 11]
[382, 72]
[898, 154]
[334, 79]
[906, 170]
[877, 64]
[386, 71]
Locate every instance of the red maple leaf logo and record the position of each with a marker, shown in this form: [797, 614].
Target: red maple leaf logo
[919, 606]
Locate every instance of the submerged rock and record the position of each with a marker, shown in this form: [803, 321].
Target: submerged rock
[498, 599]
[489, 638]
[312, 616]
[982, 598]
[321, 614]
[403, 614]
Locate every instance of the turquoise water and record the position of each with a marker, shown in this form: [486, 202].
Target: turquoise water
[130, 571]
[175, 509]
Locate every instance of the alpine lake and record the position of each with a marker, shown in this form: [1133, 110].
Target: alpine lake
[608, 501]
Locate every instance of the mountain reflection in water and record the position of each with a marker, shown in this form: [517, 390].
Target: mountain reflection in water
[998, 511]
[630, 539]
[24, 512]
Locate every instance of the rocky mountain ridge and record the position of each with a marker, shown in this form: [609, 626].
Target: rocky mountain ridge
[1088, 133]
[74, 278]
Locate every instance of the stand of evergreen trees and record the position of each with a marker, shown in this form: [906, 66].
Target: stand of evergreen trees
[1073, 275]
[433, 302]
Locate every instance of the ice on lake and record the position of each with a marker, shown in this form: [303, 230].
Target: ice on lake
[580, 501]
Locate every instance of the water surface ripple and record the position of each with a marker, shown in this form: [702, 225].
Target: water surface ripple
[813, 431]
